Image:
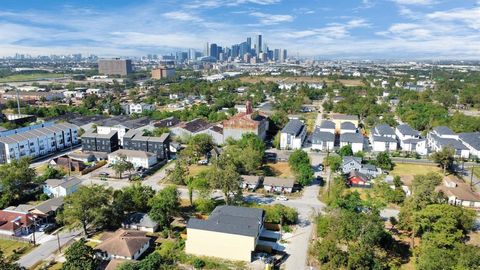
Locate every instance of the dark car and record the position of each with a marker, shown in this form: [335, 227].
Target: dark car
[49, 228]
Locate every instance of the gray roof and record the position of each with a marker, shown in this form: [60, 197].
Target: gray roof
[351, 138]
[383, 130]
[383, 139]
[140, 219]
[444, 142]
[36, 133]
[471, 138]
[347, 126]
[369, 167]
[65, 182]
[413, 140]
[125, 121]
[407, 130]
[345, 117]
[327, 124]
[90, 134]
[293, 127]
[443, 130]
[278, 182]
[348, 159]
[251, 179]
[321, 136]
[232, 220]
[50, 205]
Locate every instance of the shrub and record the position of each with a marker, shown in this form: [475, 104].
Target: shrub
[198, 263]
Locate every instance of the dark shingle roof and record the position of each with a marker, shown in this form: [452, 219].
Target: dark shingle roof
[347, 126]
[196, 125]
[327, 124]
[293, 127]
[140, 219]
[321, 136]
[383, 139]
[472, 139]
[383, 130]
[443, 130]
[444, 142]
[407, 130]
[351, 137]
[232, 220]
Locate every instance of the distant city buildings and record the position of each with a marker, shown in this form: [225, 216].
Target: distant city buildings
[163, 72]
[115, 66]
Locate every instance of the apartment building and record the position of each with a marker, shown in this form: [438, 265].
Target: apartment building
[116, 66]
[39, 141]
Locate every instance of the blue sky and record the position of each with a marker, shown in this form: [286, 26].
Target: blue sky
[368, 29]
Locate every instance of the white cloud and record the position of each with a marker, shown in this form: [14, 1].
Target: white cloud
[415, 2]
[182, 16]
[271, 19]
[471, 17]
[221, 3]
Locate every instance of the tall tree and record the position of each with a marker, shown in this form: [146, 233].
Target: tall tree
[300, 164]
[88, 206]
[164, 205]
[79, 256]
[384, 161]
[223, 175]
[444, 158]
[346, 150]
[122, 165]
[7, 264]
[14, 178]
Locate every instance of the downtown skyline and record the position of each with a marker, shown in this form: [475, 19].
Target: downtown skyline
[368, 29]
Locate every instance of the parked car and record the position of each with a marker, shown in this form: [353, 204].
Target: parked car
[281, 198]
[203, 162]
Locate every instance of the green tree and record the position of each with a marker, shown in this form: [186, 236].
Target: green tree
[178, 175]
[223, 175]
[164, 205]
[79, 256]
[201, 144]
[133, 198]
[346, 150]
[7, 264]
[14, 178]
[384, 161]
[122, 165]
[300, 165]
[444, 158]
[88, 206]
[334, 162]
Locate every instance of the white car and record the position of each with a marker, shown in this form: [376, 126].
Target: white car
[281, 198]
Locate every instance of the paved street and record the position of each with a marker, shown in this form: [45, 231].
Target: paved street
[46, 249]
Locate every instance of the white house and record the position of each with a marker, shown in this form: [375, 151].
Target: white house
[140, 222]
[279, 185]
[323, 140]
[441, 137]
[383, 139]
[355, 140]
[61, 187]
[293, 135]
[472, 142]
[347, 127]
[410, 139]
[137, 158]
[459, 193]
[131, 108]
[123, 244]
[327, 126]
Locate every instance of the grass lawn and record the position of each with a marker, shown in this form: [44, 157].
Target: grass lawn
[413, 169]
[362, 191]
[281, 169]
[30, 77]
[310, 120]
[195, 170]
[476, 172]
[9, 246]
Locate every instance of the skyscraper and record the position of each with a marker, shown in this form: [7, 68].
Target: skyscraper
[249, 44]
[213, 50]
[258, 44]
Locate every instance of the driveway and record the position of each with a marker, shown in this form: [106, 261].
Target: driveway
[47, 248]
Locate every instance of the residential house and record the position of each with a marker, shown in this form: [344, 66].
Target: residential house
[47, 210]
[347, 127]
[123, 244]
[167, 122]
[243, 123]
[441, 137]
[327, 126]
[61, 187]
[383, 138]
[410, 139]
[138, 108]
[323, 140]
[141, 222]
[293, 135]
[459, 193]
[16, 223]
[350, 164]
[139, 159]
[97, 142]
[230, 232]
[278, 185]
[159, 146]
[358, 179]
[472, 141]
[355, 140]
[338, 119]
[250, 182]
[122, 124]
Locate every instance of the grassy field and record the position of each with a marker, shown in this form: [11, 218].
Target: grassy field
[30, 77]
[476, 172]
[195, 170]
[281, 169]
[299, 79]
[413, 169]
[9, 246]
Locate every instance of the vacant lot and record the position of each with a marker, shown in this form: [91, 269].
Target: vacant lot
[195, 170]
[255, 79]
[30, 77]
[408, 171]
[9, 246]
[280, 169]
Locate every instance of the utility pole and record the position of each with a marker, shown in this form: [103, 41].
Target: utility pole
[58, 242]
[471, 176]
[18, 101]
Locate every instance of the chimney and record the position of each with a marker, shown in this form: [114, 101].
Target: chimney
[249, 107]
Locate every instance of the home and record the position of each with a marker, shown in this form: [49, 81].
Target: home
[327, 126]
[131, 108]
[159, 146]
[16, 223]
[230, 232]
[383, 138]
[141, 222]
[338, 119]
[347, 127]
[248, 122]
[358, 179]
[355, 140]
[61, 187]
[122, 244]
[92, 141]
[121, 124]
[293, 135]
[167, 122]
[250, 182]
[411, 140]
[137, 158]
[190, 128]
[278, 185]
[459, 193]
[350, 164]
[323, 140]
[47, 210]
[68, 164]
[472, 142]
[441, 137]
